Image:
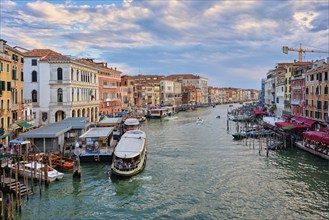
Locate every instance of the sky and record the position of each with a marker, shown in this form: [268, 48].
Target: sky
[232, 43]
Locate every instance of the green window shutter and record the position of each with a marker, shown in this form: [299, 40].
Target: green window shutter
[3, 84]
[1, 66]
[8, 86]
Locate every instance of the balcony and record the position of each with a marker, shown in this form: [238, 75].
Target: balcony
[5, 57]
[295, 102]
[110, 86]
[110, 99]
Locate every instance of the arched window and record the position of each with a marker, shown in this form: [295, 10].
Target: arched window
[59, 95]
[34, 76]
[34, 96]
[59, 73]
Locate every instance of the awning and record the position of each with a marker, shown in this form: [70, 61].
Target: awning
[317, 136]
[26, 125]
[309, 122]
[288, 124]
[4, 136]
[298, 119]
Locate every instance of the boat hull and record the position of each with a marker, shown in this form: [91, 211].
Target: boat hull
[130, 173]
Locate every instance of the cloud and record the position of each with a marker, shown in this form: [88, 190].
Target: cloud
[161, 37]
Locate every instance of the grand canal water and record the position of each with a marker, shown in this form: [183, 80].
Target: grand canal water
[193, 172]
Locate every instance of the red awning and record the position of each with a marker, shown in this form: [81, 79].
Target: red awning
[325, 129]
[259, 112]
[288, 124]
[317, 136]
[309, 122]
[299, 120]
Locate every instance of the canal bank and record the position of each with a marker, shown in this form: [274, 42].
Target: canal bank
[193, 171]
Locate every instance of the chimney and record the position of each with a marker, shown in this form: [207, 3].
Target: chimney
[2, 43]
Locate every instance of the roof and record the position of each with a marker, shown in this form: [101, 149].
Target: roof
[39, 53]
[131, 144]
[56, 129]
[24, 124]
[110, 121]
[97, 132]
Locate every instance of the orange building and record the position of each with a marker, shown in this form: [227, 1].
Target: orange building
[317, 96]
[109, 80]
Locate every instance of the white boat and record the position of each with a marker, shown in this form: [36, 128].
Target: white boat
[171, 118]
[36, 170]
[129, 156]
[131, 124]
[199, 121]
[157, 113]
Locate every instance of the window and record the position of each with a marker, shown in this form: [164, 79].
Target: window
[71, 74]
[60, 95]
[325, 76]
[14, 74]
[22, 76]
[1, 66]
[325, 105]
[326, 90]
[34, 62]
[307, 90]
[34, 96]
[8, 86]
[7, 68]
[59, 73]
[22, 60]
[77, 75]
[34, 76]
[306, 113]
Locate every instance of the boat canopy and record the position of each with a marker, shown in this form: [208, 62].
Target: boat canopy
[19, 142]
[131, 144]
[131, 121]
[98, 132]
[110, 121]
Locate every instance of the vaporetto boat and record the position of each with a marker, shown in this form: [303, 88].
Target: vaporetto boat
[129, 157]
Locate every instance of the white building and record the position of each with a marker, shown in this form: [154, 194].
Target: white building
[194, 81]
[60, 86]
[167, 94]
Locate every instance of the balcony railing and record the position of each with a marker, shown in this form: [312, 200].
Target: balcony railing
[5, 57]
[110, 86]
[110, 99]
[295, 102]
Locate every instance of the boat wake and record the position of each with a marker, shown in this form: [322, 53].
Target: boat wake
[144, 178]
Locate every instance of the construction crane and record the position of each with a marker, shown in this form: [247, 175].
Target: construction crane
[300, 51]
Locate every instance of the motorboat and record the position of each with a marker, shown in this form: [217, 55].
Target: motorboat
[218, 116]
[129, 156]
[199, 121]
[131, 124]
[171, 118]
[36, 170]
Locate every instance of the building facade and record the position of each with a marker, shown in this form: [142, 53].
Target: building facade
[60, 86]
